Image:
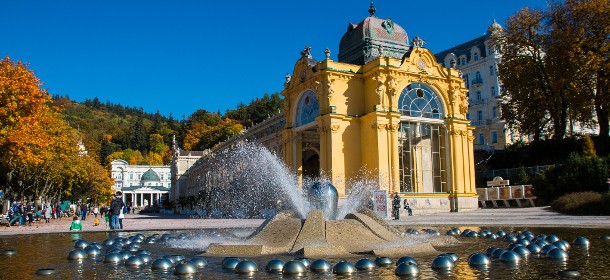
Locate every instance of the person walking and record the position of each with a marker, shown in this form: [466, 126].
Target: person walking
[16, 215]
[396, 206]
[122, 216]
[83, 211]
[47, 213]
[116, 208]
[29, 211]
[407, 207]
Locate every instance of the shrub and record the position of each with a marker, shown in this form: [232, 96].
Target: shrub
[583, 203]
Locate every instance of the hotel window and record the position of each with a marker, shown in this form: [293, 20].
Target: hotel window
[161, 176]
[478, 76]
[494, 112]
[130, 176]
[481, 139]
[478, 95]
[494, 137]
[476, 56]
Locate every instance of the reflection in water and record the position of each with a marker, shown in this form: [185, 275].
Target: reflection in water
[50, 251]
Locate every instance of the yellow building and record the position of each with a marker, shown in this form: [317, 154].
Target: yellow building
[385, 108]
[388, 107]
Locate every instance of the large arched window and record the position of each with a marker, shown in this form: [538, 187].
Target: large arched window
[417, 100]
[308, 108]
[421, 137]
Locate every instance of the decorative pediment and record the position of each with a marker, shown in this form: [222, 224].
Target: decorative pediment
[421, 60]
[303, 71]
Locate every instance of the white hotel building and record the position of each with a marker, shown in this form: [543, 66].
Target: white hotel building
[142, 185]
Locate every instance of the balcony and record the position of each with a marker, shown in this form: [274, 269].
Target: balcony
[474, 102]
[478, 81]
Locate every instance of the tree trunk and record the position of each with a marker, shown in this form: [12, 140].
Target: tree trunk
[601, 108]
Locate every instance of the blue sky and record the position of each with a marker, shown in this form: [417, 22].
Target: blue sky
[181, 56]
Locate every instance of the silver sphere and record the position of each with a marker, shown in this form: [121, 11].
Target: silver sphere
[442, 262]
[568, 273]
[9, 252]
[174, 258]
[492, 236]
[229, 263]
[293, 268]
[559, 244]
[500, 233]
[108, 242]
[77, 254]
[605, 237]
[145, 258]
[383, 261]
[125, 255]
[150, 240]
[473, 234]
[185, 268]
[412, 231]
[246, 267]
[509, 238]
[497, 253]
[547, 248]
[81, 244]
[45, 271]
[92, 251]
[451, 232]
[323, 196]
[97, 244]
[114, 250]
[134, 261]
[407, 269]
[557, 254]
[143, 252]
[344, 268]
[523, 242]
[365, 264]
[277, 265]
[533, 248]
[490, 250]
[510, 256]
[454, 257]
[478, 259]
[581, 241]
[113, 258]
[320, 266]
[406, 259]
[522, 251]
[306, 262]
[161, 264]
[552, 238]
[514, 245]
[200, 262]
[542, 243]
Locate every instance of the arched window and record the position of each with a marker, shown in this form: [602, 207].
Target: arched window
[417, 100]
[308, 108]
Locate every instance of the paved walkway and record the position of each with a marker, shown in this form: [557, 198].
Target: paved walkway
[534, 216]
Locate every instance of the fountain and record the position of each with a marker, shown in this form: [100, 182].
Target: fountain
[313, 225]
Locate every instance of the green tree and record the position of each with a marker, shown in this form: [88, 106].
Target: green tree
[138, 137]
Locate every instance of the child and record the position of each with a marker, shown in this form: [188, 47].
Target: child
[107, 218]
[96, 222]
[76, 225]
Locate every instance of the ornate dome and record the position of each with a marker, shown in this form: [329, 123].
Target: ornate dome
[366, 40]
[495, 26]
[150, 176]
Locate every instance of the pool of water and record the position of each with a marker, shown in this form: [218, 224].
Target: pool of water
[51, 250]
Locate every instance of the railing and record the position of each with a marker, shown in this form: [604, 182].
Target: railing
[473, 102]
[477, 81]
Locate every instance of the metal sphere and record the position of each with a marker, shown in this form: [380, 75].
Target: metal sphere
[523, 242]
[114, 250]
[522, 251]
[501, 233]
[134, 261]
[181, 236]
[497, 253]
[140, 236]
[478, 259]
[294, 268]
[320, 266]
[473, 234]
[406, 259]
[442, 262]
[150, 240]
[547, 248]
[9, 252]
[92, 251]
[466, 231]
[407, 269]
[97, 244]
[161, 264]
[557, 254]
[246, 267]
[323, 196]
[45, 271]
[581, 241]
[174, 258]
[143, 252]
[344, 268]
[514, 245]
[533, 248]
[81, 244]
[568, 273]
[509, 238]
[200, 262]
[125, 255]
[277, 265]
[365, 264]
[77, 254]
[145, 258]
[451, 232]
[542, 243]
[605, 237]
[133, 248]
[453, 256]
[510, 256]
[113, 258]
[552, 238]
[229, 263]
[412, 231]
[490, 250]
[383, 261]
[559, 244]
[184, 268]
[306, 262]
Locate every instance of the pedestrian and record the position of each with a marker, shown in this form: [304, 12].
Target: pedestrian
[22, 213]
[396, 206]
[29, 211]
[116, 209]
[83, 211]
[96, 211]
[122, 216]
[76, 224]
[16, 215]
[407, 207]
[107, 218]
[47, 213]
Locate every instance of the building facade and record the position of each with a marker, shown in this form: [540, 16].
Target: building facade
[478, 61]
[142, 185]
[386, 106]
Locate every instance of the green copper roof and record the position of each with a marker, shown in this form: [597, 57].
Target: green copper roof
[150, 176]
